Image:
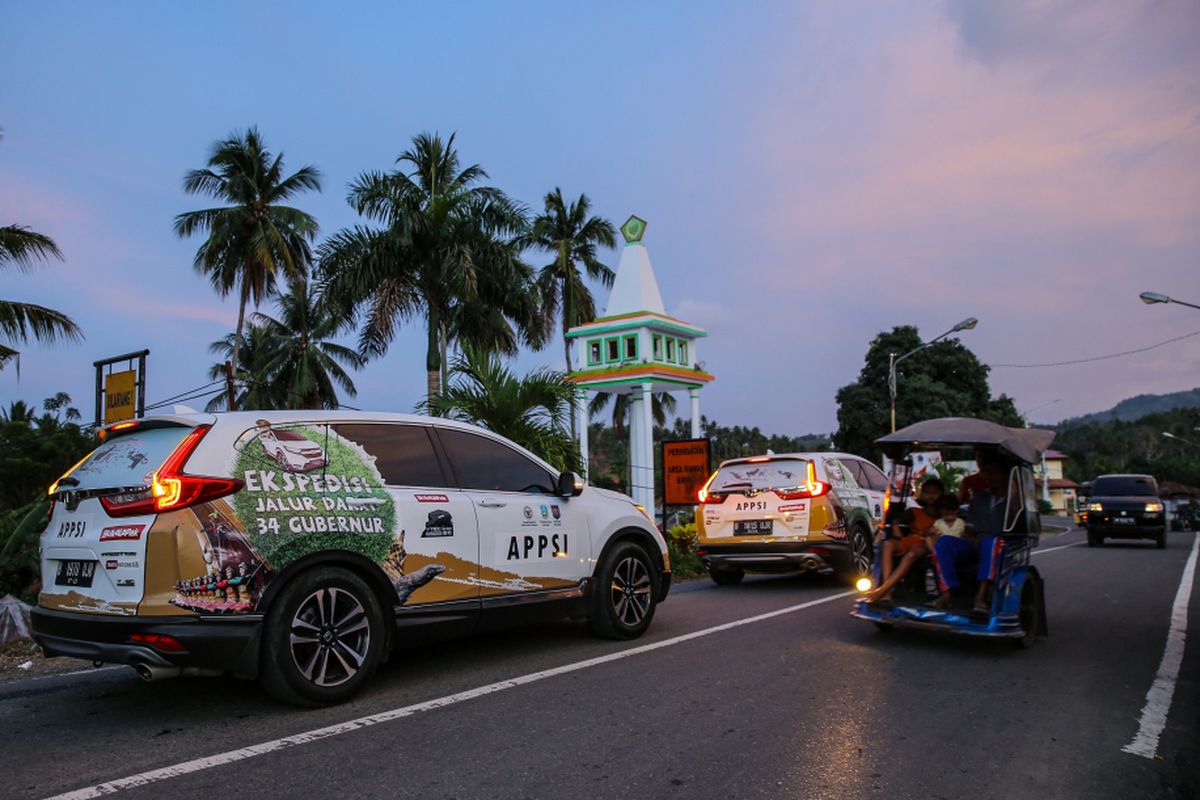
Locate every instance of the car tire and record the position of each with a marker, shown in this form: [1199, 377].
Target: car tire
[1029, 613]
[1161, 540]
[726, 576]
[860, 557]
[324, 638]
[1095, 539]
[626, 593]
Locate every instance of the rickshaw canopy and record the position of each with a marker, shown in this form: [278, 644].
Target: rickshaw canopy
[1026, 444]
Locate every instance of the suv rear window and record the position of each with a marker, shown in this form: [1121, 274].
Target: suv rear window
[1125, 486]
[758, 476]
[128, 460]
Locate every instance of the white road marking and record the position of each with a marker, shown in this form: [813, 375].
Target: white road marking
[1040, 551]
[231, 756]
[1158, 699]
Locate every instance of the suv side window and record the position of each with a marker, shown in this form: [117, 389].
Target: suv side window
[403, 454]
[483, 463]
[868, 475]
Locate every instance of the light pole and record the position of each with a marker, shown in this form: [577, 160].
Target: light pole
[966, 325]
[1170, 435]
[1150, 298]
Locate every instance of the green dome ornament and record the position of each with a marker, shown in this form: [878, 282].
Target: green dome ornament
[633, 229]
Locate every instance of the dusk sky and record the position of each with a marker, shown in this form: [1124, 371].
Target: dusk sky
[812, 174]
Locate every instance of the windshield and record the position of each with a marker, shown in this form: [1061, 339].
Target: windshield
[127, 460]
[760, 476]
[1125, 486]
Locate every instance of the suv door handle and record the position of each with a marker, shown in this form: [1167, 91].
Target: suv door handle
[492, 503]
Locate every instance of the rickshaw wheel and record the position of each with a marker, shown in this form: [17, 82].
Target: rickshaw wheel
[1030, 613]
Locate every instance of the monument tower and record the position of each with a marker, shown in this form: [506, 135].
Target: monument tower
[635, 349]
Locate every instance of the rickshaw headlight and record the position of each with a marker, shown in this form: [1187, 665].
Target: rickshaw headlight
[1095, 507]
[863, 584]
[1154, 508]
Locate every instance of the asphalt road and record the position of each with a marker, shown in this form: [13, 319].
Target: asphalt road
[804, 702]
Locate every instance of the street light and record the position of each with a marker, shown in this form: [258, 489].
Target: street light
[966, 325]
[1150, 298]
[1170, 435]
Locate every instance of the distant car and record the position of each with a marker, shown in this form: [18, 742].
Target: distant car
[292, 451]
[790, 512]
[1126, 507]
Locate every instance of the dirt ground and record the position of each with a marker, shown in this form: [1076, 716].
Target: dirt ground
[21, 659]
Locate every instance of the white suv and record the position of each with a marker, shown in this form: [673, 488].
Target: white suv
[299, 546]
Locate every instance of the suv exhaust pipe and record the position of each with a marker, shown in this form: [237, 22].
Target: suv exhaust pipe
[152, 672]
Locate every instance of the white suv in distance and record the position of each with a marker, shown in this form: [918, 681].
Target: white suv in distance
[298, 547]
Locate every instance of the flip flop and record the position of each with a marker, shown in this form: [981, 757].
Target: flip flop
[982, 607]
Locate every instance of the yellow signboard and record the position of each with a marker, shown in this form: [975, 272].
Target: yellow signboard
[120, 389]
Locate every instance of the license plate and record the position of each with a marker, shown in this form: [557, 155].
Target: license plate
[753, 527]
[75, 573]
[1124, 520]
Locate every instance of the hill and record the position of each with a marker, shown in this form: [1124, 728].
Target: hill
[1134, 408]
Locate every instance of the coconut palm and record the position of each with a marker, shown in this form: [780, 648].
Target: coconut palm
[254, 238]
[663, 403]
[253, 388]
[571, 236]
[303, 364]
[531, 411]
[447, 252]
[22, 248]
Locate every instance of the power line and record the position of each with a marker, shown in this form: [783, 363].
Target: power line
[181, 396]
[1099, 358]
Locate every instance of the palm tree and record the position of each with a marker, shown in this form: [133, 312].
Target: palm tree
[571, 236]
[447, 251]
[253, 388]
[289, 362]
[21, 248]
[303, 364]
[254, 238]
[663, 404]
[531, 411]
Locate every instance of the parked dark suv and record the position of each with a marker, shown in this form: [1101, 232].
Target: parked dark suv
[1126, 507]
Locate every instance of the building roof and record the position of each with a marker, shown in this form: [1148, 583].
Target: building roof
[1054, 455]
[635, 287]
[1057, 483]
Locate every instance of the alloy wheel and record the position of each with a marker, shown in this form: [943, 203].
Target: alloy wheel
[631, 590]
[330, 636]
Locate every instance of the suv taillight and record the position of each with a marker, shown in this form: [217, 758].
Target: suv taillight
[170, 488]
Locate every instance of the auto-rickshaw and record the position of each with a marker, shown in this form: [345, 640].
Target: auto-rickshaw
[1016, 605]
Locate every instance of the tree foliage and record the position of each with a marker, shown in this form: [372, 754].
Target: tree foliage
[943, 380]
[447, 250]
[531, 410]
[35, 450]
[253, 239]
[1118, 446]
[292, 361]
[21, 248]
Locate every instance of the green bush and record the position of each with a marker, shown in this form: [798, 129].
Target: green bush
[20, 563]
[681, 547]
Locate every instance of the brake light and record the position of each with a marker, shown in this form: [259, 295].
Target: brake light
[887, 502]
[811, 488]
[706, 497]
[170, 488]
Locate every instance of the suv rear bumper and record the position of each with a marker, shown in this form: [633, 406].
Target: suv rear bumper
[208, 642]
[777, 556]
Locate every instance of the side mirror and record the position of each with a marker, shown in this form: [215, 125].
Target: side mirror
[570, 485]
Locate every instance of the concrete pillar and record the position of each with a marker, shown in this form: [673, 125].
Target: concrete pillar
[581, 413]
[694, 395]
[635, 444]
[648, 446]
